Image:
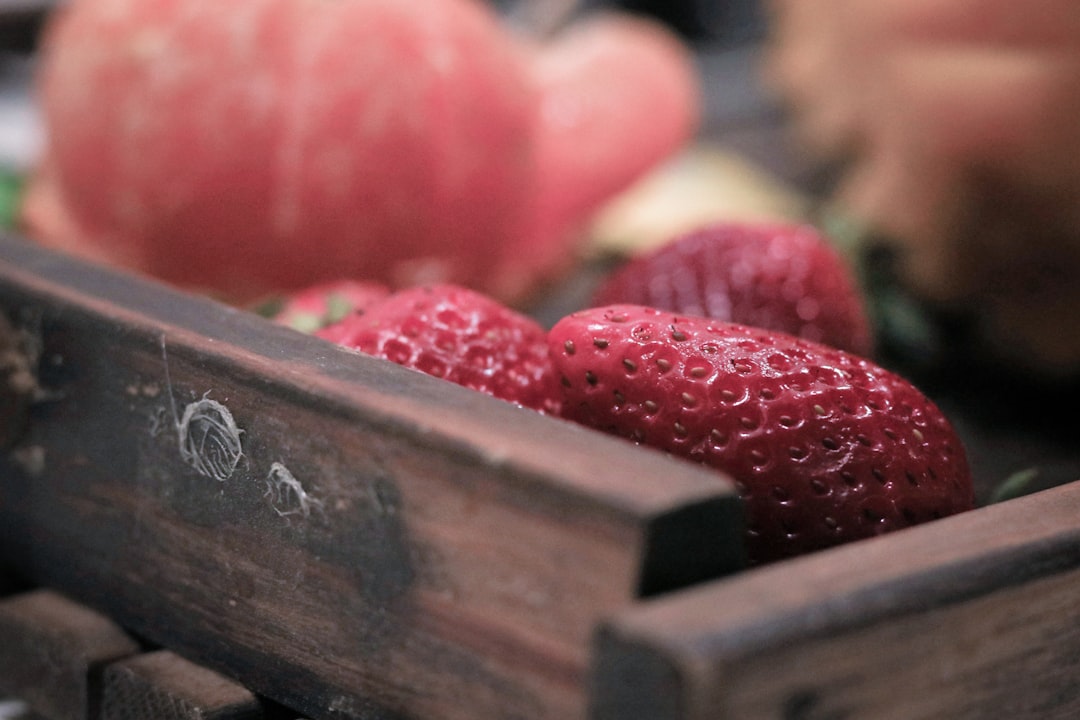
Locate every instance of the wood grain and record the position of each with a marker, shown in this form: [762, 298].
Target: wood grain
[380, 544]
[164, 686]
[975, 616]
[52, 652]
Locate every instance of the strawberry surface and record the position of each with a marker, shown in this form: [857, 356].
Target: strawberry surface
[777, 276]
[825, 447]
[459, 335]
[323, 304]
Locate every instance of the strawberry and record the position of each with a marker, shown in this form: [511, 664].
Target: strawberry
[317, 306]
[776, 276]
[460, 335]
[824, 446]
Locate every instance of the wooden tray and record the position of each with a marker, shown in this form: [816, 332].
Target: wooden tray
[346, 536]
[351, 539]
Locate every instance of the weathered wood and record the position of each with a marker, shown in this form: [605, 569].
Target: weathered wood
[348, 537]
[972, 617]
[18, 385]
[164, 686]
[51, 652]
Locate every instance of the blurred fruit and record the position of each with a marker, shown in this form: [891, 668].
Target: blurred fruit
[253, 147]
[318, 306]
[773, 276]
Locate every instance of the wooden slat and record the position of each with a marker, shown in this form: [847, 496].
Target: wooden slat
[972, 617]
[51, 652]
[379, 543]
[164, 686]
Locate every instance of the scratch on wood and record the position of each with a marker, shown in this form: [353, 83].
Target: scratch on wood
[287, 495]
[209, 439]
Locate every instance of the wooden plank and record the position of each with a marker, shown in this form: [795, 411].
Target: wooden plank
[975, 616]
[360, 540]
[164, 686]
[52, 652]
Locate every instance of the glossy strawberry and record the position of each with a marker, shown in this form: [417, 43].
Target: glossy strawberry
[824, 446]
[459, 335]
[774, 276]
[324, 304]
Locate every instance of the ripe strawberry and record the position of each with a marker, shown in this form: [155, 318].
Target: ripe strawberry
[774, 276]
[825, 447]
[315, 307]
[459, 335]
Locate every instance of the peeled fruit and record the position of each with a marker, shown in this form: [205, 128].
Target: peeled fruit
[256, 146]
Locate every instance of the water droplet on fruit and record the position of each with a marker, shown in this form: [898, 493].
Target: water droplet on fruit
[743, 367]
[780, 362]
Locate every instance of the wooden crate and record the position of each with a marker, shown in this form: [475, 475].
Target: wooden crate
[349, 539]
[343, 535]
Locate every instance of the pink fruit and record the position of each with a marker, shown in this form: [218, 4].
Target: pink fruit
[616, 95]
[259, 146]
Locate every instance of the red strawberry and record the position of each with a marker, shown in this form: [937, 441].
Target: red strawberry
[459, 335]
[824, 446]
[323, 304]
[779, 277]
